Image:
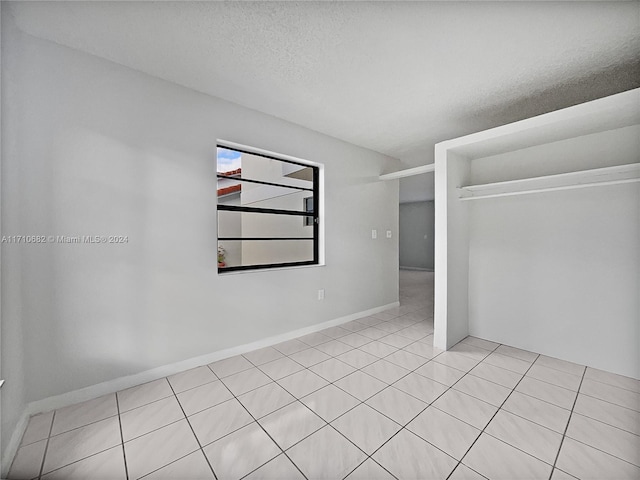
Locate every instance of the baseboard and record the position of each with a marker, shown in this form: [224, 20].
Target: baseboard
[417, 268]
[117, 384]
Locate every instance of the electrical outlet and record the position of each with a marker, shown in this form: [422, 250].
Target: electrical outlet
[388, 233]
[321, 294]
[374, 234]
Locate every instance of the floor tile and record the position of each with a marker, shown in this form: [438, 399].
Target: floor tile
[397, 405]
[360, 385]
[510, 363]
[440, 373]
[38, 428]
[545, 391]
[335, 347]
[608, 413]
[385, 316]
[335, 332]
[423, 348]
[82, 442]
[141, 395]
[216, 422]
[612, 379]
[291, 424]
[555, 377]
[388, 327]
[332, 369]
[159, 448]
[191, 379]
[330, 402]
[412, 333]
[479, 342]
[291, 346]
[204, 396]
[444, 431]
[147, 418]
[314, 339]
[370, 470]
[462, 472]
[538, 411]
[355, 340]
[264, 400]
[527, 436]
[84, 413]
[193, 467]
[262, 356]
[422, 388]
[354, 326]
[517, 353]
[280, 468]
[239, 453]
[280, 368]
[378, 349]
[560, 475]
[483, 389]
[309, 357]
[366, 428]
[611, 440]
[407, 456]
[357, 358]
[370, 321]
[229, 366]
[107, 465]
[497, 460]
[406, 359]
[466, 408]
[498, 375]
[609, 393]
[396, 340]
[476, 353]
[326, 455]
[28, 460]
[373, 333]
[563, 365]
[456, 360]
[588, 463]
[386, 371]
[302, 383]
[246, 381]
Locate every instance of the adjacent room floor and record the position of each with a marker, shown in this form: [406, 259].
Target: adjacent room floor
[371, 399]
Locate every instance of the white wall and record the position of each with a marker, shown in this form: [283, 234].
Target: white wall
[93, 148]
[558, 272]
[416, 235]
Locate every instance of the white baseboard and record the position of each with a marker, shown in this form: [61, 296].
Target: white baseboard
[117, 384]
[417, 268]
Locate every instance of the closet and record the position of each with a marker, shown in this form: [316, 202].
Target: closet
[538, 235]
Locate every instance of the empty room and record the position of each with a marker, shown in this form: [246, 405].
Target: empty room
[319, 240]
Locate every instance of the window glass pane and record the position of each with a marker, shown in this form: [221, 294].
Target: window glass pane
[268, 186]
[261, 225]
[264, 252]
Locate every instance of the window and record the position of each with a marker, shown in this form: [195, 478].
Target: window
[267, 211]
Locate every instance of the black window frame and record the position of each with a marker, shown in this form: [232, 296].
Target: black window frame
[315, 214]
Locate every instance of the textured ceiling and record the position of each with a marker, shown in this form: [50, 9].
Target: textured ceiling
[394, 77]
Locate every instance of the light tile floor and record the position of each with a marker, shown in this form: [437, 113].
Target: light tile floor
[371, 399]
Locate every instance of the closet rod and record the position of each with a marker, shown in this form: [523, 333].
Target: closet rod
[552, 189]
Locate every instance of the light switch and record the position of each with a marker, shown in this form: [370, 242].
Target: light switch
[388, 233]
[374, 234]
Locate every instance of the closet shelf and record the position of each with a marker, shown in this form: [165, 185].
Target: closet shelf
[564, 181]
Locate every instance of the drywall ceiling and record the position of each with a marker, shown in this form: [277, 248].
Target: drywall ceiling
[395, 77]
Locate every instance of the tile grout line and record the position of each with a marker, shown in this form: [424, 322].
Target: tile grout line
[567, 426]
[260, 425]
[46, 447]
[192, 431]
[124, 453]
[491, 419]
